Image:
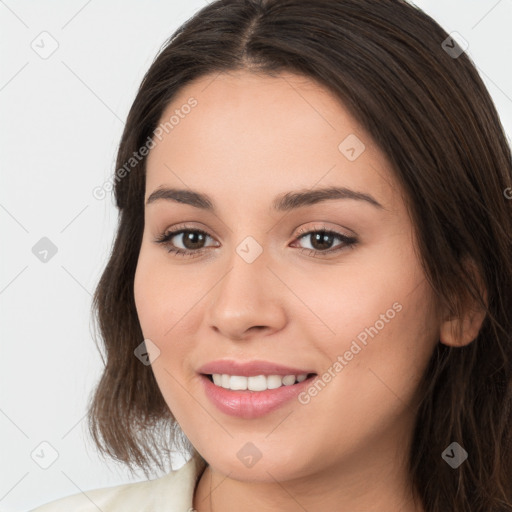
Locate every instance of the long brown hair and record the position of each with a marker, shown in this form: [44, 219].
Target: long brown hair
[401, 76]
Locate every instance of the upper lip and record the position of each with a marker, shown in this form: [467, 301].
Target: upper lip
[249, 368]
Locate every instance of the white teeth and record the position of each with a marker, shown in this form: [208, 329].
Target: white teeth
[257, 383]
[237, 383]
[274, 381]
[289, 380]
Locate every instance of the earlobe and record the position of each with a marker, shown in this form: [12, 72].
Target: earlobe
[461, 330]
[458, 332]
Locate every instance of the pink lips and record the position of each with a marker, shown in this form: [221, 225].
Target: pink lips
[249, 368]
[250, 404]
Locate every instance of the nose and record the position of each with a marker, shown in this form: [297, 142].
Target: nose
[247, 300]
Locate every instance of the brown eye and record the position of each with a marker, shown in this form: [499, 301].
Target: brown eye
[184, 241]
[192, 239]
[323, 241]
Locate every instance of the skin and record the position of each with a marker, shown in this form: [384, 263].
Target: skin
[249, 139]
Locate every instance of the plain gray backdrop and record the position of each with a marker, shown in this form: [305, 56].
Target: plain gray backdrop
[69, 73]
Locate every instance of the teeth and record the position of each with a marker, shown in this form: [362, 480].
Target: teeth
[274, 381]
[289, 380]
[237, 383]
[257, 383]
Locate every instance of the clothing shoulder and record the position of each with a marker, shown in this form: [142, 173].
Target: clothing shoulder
[171, 492]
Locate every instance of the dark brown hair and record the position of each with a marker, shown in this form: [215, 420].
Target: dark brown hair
[429, 112]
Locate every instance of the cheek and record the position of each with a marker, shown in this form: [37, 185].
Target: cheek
[162, 295]
[160, 304]
[384, 329]
[144, 290]
[384, 356]
[166, 299]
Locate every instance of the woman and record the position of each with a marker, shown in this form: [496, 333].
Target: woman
[311, 281]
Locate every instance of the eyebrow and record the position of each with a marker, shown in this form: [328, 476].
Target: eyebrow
[283, 202]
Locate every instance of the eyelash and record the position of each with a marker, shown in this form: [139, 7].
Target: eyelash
[165, 238]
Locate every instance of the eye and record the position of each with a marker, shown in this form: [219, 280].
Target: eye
[192, 241]
[322, 241]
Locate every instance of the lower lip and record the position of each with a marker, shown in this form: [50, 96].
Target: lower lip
[251, 404]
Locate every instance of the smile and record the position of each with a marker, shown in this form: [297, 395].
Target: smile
[255, 383]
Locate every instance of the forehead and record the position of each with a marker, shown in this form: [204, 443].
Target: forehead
[260, 132]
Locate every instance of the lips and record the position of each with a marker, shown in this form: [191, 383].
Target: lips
[250, 368]
[252, 403]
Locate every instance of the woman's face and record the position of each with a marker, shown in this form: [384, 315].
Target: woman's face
[290, 278]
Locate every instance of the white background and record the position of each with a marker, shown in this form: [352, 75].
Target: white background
[62, 118]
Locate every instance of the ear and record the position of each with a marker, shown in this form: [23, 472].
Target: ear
[460, 330]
